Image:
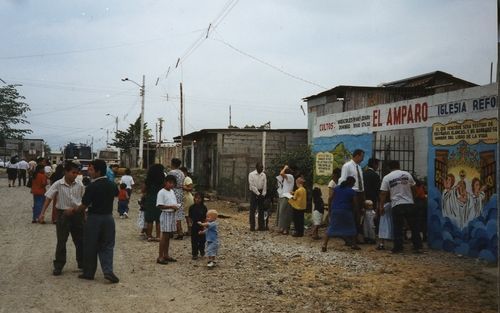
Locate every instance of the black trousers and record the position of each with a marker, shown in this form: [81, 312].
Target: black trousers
[68, 225]
[98, 241]
[407, 212]
[21, 175]
[257, 204]
[298, 222]
[197, 242]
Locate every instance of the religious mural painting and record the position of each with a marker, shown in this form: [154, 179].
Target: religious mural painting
[462, 192]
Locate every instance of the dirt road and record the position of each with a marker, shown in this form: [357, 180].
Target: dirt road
[257, 272]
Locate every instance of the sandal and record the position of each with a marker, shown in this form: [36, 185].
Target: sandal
[170, 259]
[355, 247]
[323, 249]
[153, 239]
[161, 261]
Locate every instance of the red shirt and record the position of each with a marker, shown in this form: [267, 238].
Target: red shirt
[122, 194]
[38, 184]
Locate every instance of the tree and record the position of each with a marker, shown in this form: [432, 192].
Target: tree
[128, 139]
[12, 112]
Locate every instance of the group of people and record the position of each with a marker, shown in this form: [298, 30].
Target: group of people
[361, 203]
[166, 202]
[361, 207]
[21, 170]
[85, 212]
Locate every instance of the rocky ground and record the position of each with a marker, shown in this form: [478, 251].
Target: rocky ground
[256, 272]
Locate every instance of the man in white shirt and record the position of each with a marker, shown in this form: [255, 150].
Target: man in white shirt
[352, 168]
[400, 186]
[257, 184]
[69, 195]
[285, 186]
[22, 167]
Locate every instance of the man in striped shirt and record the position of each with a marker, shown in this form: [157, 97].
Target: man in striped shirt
[69, 193]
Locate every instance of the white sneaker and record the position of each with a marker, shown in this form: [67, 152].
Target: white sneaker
[125, 215]
[210, 264]
[121, 216]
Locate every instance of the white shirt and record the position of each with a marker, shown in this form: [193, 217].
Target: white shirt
[257, 182]
[127, 180]
[12, 165]
[166, 197]
[48, 170]
[68, 195]
[23, 165]
[285, 185]
[351, 168]
[399, 184]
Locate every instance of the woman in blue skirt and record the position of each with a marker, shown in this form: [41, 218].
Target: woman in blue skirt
[341, 214]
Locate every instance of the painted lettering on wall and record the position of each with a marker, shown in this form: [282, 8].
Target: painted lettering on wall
[470, 131]
[324, 164]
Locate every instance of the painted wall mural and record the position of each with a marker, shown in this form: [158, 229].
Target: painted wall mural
[333, 152]
[462, 188]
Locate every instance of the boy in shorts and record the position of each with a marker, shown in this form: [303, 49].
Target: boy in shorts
[167, 203]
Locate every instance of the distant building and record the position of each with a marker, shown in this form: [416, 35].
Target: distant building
[221, 159]
[24, 148]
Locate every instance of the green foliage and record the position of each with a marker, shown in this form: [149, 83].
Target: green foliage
[128, 139]
[12, 112]
[300, 160]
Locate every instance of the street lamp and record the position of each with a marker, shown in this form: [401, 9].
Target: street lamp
[141, 138]
[116, 121]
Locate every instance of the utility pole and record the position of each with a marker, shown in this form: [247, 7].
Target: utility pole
[141, 138]
[230, 124]
[182, 127]
[160, 128]
[107, 137]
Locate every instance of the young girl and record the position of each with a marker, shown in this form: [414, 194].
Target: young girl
[317, 213]
[123, 201]
[211, 234]
[385, 226]
[369, 222]
[299, 203]
[167, 203]
[197, 213]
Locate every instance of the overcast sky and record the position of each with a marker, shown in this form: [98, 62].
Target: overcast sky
[260, 57]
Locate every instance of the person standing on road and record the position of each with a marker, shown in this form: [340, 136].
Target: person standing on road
[257, 184]
[188, 198]
[153, 183]
[299, 204]
[99, 230]
[68, 193]
[352, 168]
[400, 187]
[286, 182]
[12, 171]
[128, 180]
[38, 185]
[23, 167]
[179, 194]
[342, 223]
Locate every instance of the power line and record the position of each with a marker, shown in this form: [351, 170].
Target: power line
[268, 64]
[75, 51]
